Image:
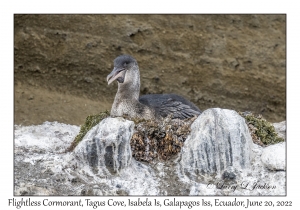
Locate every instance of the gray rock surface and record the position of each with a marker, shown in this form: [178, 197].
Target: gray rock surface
[106, 147]
[280, 128]
[219, 143]
[42, 168]
[273, 157]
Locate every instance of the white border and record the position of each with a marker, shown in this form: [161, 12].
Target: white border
[237, 6]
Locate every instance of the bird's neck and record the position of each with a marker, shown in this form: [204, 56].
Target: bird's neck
[127, 97]
[130, 88]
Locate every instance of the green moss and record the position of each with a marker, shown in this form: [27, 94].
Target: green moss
[264, 130]
[90, 122]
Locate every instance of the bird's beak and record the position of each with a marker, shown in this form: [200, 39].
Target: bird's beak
[116, 74]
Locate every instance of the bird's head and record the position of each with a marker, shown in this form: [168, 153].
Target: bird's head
[122, 65]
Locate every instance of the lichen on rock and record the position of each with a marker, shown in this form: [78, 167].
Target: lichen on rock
[263, 132]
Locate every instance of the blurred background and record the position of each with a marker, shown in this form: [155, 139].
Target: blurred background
[228, 61]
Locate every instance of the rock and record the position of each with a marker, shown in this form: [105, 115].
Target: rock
[233, 62]
[219, 143]
[106, 147]
[273, 157]
[280, 128]
[50, 137]
[41, 167]
[89, 79]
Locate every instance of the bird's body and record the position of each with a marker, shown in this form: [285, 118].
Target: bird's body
[170, 104]
[150, 107]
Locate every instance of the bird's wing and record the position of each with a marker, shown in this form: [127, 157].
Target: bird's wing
[177, 109]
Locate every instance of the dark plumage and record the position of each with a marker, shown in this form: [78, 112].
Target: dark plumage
[166, 104]
[154, 106]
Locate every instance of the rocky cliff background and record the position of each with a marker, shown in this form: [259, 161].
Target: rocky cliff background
[228, 61]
